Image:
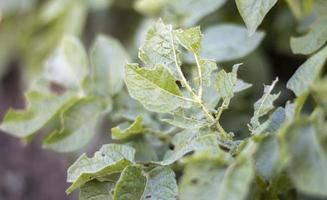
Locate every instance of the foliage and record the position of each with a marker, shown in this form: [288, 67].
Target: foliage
[169, 140]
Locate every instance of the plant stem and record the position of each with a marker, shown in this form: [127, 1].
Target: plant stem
[200, 74]
[197, 98]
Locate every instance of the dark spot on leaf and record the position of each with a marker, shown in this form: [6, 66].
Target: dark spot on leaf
[148, 196]
[56, 88]
[146, 165]
[194, 181]
[171, 147]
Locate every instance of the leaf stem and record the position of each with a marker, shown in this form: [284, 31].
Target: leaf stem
[200, 75]
[197, 97]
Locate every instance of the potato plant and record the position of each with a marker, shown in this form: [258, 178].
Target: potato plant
[168, 141]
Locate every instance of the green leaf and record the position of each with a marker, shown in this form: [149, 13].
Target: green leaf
[108, 58]
[76, 129]
[190, 38]
[207, 67]
[182, 121]
[135, 184]
[154, 88]
[307, 161]
[160, 48]
[68, 65]
[110, 159]
[320, 92]
[316, 37]
[263, 106]
[301, 8]
[253, 12]
[241, 85]
[267, 157]
[133, 129]
[226, 82]
[96, 190]
[268, 154]
[188, 141]
[161, 184]
[229, 48]
[41, 108]
[307, 73]
[276, 121]
[144, 151]
[149, 7]
[131, 184]
[187, 13]
[210, 180]
[99, 5]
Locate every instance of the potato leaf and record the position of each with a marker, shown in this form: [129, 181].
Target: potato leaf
[108, 58]
[262, 107]
[229, 48]
[76, 129]
[157, 184]
[133, 129]
[154, 88]
[253, 12]
[209, 180]
[110, 159]
[307, 73]
[68, 65]
[307, 161]
[41, 108]
[317, 34]
[96, 190]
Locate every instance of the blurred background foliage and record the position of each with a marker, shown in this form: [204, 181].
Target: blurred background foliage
[30, 31]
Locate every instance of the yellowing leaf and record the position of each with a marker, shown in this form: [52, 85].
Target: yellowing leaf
[190, 38]
[133, 129]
